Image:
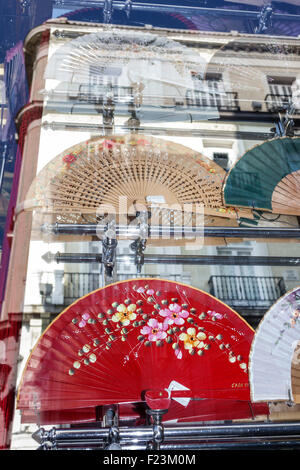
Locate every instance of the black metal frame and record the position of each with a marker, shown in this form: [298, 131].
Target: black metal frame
[133, 232]
[290, 261]
[244, 436]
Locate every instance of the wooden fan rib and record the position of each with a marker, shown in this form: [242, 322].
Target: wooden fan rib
[285, 197]
[291, 181]
[75, 201]
[120, 167]
[105, 186]
[141, 173]
[193, 187]
[280, 207]
[295, 374]
[288, 191]
[127, 176]
[141, 165]
[130, 176]
[78, 193]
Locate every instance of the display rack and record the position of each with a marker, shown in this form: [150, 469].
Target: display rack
[244, 436]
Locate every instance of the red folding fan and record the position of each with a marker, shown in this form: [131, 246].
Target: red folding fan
[148, 335]
[135, 413]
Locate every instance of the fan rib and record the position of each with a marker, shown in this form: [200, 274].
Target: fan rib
[103, 170]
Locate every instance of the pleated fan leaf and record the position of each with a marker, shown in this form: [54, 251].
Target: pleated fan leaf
[156, 67]
[267, 177]
[239, 61]
[274, 359]
[117, 342]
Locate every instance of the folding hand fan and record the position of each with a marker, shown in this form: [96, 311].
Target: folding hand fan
[120, 341]
[239, 62]
[274, 369]
[267, 177]
[119, 58]
[124, 174]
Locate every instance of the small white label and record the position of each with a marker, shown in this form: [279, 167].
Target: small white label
[177, 386]
[156, 199]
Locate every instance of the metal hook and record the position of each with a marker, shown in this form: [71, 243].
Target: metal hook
[139, 246]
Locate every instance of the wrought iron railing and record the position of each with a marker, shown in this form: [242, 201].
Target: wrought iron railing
[243, 291]
[247, 291]
[78, 284]
[225, 101]
[277, 103]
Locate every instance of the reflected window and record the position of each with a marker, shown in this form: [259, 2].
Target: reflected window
[221, 159]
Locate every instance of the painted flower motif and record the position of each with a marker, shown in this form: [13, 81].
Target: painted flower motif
[125, 314]
[69, 159]
[84, 319]
[178, 353]
[143, 142]
[214, 314]
[296, 315]
[154, 330]
[150, 292]
[108, 144]
[192, 339]
[174, 314]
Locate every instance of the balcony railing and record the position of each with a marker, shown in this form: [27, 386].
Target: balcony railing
[77, 285]
[247, 291]
[237, 291]
[225, 101]
[277, 103]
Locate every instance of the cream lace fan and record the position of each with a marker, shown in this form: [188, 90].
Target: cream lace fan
[241, 63]
[153, 69]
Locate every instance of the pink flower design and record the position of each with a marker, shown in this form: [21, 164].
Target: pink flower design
[142, 142]
[108, 144]
[174, 314]
[178, 353]
[219, 316]
[69, 159]
[84, 319]
[154, 330]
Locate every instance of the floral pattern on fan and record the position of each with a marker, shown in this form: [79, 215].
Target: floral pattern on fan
[157, 322]
[290, 306]
[69, 159]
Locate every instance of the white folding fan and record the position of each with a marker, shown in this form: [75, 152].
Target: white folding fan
[160, 69]
[274, 365]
